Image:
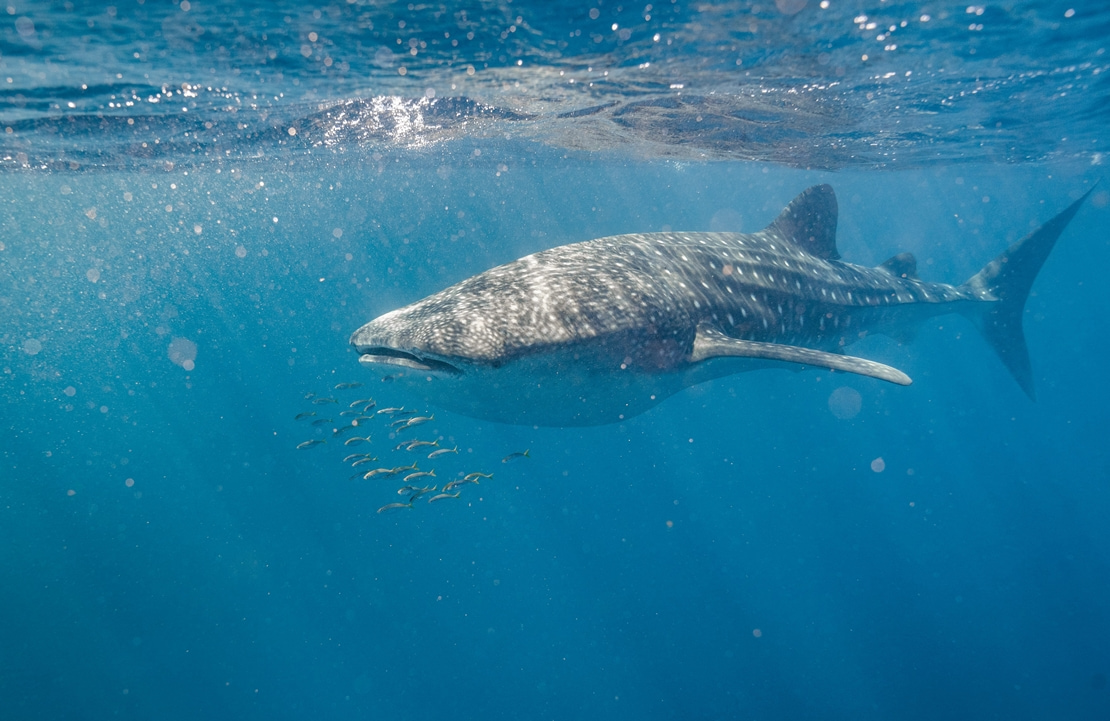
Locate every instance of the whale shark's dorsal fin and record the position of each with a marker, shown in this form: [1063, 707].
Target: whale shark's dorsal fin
[712, 343]
[809, 222]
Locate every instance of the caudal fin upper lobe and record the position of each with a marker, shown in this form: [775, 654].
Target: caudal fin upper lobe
[1006, 281]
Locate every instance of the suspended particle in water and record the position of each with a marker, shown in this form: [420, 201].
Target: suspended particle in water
[183, 352]
[726, 220]
[845, 403]
[790, 7]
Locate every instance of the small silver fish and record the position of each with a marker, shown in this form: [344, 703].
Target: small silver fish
[356, 439]
[323, 401]
[309, 396]
[413, 445]
[419, 421]
[398, 424]
[355, 456]
[391, 506]
[518, 454]
[346, 386]
[302, 416]
[369, 406]
[416, 492]
[350, 412]
[390, 472]
[391, 410]
[368, 459]
[322, 422]
[443, 452]
[344, 429]
[360, 402]
[475, 476]
[441, 496]
[310, 444]
[452, 485]
[419, 474]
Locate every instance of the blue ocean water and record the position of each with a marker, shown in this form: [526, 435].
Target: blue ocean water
[201, 201]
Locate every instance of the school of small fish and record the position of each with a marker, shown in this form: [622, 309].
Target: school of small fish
[357, 419]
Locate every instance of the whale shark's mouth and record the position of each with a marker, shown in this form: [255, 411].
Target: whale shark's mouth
[384, 356]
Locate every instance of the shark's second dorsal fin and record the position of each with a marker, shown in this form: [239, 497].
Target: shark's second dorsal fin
[809, 222]
[903, 265]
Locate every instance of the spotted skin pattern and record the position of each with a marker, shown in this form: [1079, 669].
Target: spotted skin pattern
[577, 315]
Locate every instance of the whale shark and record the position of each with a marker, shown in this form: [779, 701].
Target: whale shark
[600, 331]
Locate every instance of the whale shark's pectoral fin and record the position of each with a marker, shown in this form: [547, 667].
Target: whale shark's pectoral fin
[712, 343]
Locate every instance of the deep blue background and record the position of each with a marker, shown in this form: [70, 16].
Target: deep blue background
[731, 554]
[621, 571]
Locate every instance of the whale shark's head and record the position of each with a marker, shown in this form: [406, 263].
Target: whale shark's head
[435, 359]
[530, 307]
[503, 348]
[446, 335]
[392, 343]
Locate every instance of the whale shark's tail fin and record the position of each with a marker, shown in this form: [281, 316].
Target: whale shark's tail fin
[1005, 282]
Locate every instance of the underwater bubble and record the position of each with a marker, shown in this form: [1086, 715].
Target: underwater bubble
[845, 403]
[183, 352]
[726, 220]
[32, 346]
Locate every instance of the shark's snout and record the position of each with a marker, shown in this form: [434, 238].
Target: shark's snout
[378, 344]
